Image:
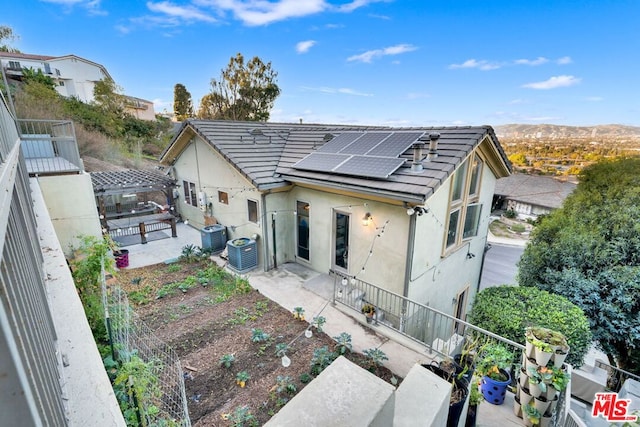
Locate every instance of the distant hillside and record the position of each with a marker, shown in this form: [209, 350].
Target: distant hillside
[559, 131]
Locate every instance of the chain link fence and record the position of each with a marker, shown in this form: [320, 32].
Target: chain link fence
[160, 400]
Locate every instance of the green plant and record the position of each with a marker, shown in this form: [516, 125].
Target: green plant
[240, 316]
[343, 343]
[281, 349]
[475, 395]
[141, 296]
[242, 377]
[241, 417]
[322, 357]
[173, 268]
[298, 313]
[305, 378]
[518, 228]
[540, 375]
[375, 357]
[493, 360]
[532, 413]
[227, 360]
[510, 213]
[368, 309]
[318, 322]
[560, 379]
[508, 310]
[258, 335]
[284, 384]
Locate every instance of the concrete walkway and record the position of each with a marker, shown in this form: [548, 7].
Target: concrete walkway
[292, 285]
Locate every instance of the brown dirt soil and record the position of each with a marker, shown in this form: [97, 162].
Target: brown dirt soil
[202, 328]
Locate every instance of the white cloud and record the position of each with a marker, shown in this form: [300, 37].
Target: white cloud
[370, 55]
[532, 62]
[553, 83]
[564, 60]
[481, 65]
[330, 90]
[356, 4]
[594, 98]
[92, 6]
[186, 13]
[304, 46]
[261, 12]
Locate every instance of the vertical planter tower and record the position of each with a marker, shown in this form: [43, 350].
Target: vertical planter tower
[542, 376]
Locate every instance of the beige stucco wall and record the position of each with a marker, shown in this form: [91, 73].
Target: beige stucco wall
[71, 205]
[437, 277]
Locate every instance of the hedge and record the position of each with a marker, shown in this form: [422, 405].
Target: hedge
[507, 310]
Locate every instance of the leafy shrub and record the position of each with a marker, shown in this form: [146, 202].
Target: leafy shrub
[508, 310]
[510, 213]
[322, 357]
[343, 343]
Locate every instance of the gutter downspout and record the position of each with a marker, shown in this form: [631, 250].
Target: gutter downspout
[408, 268]
[265, 231]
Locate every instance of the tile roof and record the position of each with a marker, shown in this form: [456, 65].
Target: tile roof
[266, 152]
[534, 190]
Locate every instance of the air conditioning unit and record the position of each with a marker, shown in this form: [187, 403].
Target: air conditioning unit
[243, 254]
[214, 238]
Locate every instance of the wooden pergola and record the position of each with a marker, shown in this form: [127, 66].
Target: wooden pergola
[126, 206]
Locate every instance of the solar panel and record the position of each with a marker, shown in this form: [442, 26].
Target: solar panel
[339, 142]
[395, 145]
[322, 162]
[370, 167]
[365, 143]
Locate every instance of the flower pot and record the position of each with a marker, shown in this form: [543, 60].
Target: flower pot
[460, 386]
[558, 358]
[541, 404]
[466, 366]
[530, 364]
[530, 349]
[524, 379]
[551, 393]
[545, 421]
[534, 389]
[517, 406]
[494, 391]
[552, 404]
[542, 357]
[525, 396]
[472, 415]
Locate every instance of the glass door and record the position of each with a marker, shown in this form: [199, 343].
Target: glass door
[302, 210]
[341, 240]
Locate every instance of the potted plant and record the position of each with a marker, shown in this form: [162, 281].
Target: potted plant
[560, 378]
[459, 392]
[368, 310]
[475, 399]
[530, 415]
[493, 364]
[539, 378]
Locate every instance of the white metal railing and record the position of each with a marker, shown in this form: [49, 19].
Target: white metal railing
[49, 146]
[31, 392]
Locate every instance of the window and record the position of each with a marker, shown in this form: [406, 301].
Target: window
[14, 65]
[190, 196]
[464, 208]
[223, 197]
[302, 214]
[252, 209]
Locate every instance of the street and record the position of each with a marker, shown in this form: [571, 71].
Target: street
[500, 265]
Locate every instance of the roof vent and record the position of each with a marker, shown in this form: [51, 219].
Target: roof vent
[328, 137]
[418, 146]
[256, 131]
[433, 146]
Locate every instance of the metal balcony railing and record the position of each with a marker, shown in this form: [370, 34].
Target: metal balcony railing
[441, 334]
[49, 147]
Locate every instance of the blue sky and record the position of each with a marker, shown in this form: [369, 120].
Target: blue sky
[381, 62]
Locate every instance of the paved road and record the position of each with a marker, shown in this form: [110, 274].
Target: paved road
[500, 265]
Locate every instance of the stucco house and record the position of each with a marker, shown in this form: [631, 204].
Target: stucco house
[73, 76]
[405, 209]
[531, 195]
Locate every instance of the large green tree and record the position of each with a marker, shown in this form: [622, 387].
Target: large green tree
[182, 103]
[244, 91]
[589, 252]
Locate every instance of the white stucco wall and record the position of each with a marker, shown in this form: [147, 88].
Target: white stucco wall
[71, 205]
[79, 76]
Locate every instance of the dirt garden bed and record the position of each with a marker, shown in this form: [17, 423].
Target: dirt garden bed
[204, 314]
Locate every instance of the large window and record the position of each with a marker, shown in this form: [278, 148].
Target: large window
[190, 196]
[252, 209]
[464, 208]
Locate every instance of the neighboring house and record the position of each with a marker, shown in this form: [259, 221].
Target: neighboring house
[363, 202]
[139, 108]
[73, 76]
[531, 195]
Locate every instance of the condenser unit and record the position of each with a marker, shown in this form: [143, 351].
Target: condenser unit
[214, 238]
[243, 254]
